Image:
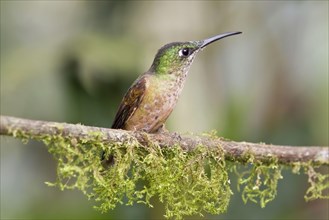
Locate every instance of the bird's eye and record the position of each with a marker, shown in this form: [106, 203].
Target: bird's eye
[184, 52]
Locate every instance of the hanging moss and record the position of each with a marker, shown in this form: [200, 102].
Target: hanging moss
[318, 178]
[188, 183]
[259, 181]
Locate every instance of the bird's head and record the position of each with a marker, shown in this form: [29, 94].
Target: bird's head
[177, 57]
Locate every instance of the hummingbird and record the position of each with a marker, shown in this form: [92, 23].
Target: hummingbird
[154, 94]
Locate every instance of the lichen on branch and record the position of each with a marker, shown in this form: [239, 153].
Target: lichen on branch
[190, 175]
[188, 183]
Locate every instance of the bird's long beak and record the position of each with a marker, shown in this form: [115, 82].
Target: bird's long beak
[217, 37]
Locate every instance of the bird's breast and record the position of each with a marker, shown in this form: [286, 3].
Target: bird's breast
[158, 102]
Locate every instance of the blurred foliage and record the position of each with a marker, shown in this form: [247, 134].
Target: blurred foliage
[72, 61]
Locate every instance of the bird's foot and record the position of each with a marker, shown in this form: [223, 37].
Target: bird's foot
[162, 129]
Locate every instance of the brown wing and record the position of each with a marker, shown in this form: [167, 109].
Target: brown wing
[130, 102]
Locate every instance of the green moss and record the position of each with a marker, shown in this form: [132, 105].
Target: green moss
[210, 134]
[179, 179]
[259, 182]
[318, 178]
[319, 183]
[188, 183]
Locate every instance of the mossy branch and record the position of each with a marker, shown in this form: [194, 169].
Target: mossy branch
[235, 151]
[189, 173]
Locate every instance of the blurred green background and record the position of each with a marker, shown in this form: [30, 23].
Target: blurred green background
[72, 61]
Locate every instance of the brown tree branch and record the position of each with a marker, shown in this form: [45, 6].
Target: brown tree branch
[237, 151]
